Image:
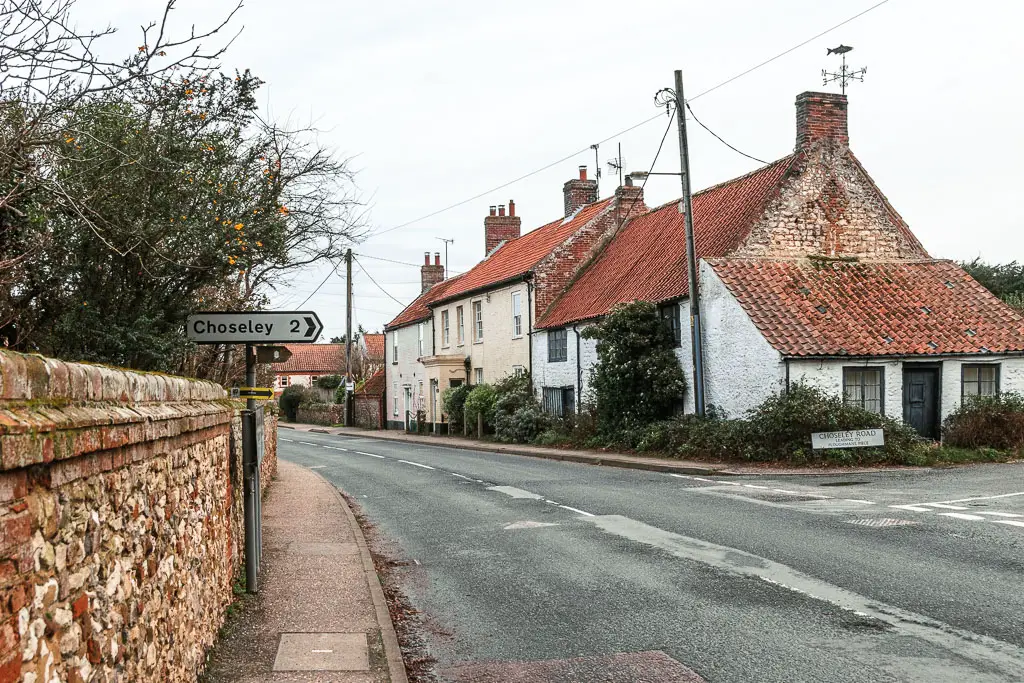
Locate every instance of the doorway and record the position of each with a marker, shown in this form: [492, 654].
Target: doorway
[408, 405]
[921, 399]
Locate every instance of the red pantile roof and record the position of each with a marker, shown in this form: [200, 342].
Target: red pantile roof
[374, 345]
[313, 358]
[374, 385]
[517, 257]
[647, 259]
[419, 309]
[810, 307]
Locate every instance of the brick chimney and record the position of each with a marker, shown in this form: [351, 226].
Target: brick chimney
[579, 192]
[821, 116]
[430, 275]
[499, 227]
[629, 201]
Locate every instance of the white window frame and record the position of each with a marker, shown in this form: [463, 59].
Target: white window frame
[394, 349]
[445, 334]
[394, 398]
[478, 376]
[419, 338]
[460, 324]
[517, 315]
[478, 322]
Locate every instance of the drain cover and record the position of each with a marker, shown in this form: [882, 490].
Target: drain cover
[844, 483]
[882, 521]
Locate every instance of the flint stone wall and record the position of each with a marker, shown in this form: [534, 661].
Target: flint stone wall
[325, 414]
[120, 521]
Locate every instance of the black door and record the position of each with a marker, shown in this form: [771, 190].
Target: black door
[921, 400]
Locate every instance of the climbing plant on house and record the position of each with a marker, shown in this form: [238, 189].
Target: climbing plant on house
[637, 379]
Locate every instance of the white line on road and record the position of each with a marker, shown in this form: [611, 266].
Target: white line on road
[336, 448]
[858, 500]
[964, 500]
[585, 514]
[460, 476]
[308, 443]
[317, 467]
[416, 464]
[960, 515]
[1014, 522]
[792, 493]
[998, 514]
[515, 493]
[680, 476]
[703, 479]
[914, 508]
[372, 455]
[755, 486]
[944, 506]
[284, 439]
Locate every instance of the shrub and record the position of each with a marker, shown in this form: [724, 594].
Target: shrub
[480, 401]
[637, 379]
[330, 381]
[454, 400]
[987, 422]
[523, 425]
[292, 397]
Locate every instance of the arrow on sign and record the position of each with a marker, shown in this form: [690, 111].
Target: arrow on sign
[312, 327]
[264, 393]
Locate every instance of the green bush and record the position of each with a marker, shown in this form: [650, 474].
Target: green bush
[330, 381]
[480, 401]
[518, 417]
[995, 422]
[637, 379]
[293, 397]
[454, 400]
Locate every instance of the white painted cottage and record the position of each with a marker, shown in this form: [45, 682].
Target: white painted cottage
[807, 273]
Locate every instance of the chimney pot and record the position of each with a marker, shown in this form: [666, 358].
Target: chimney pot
[494, 210]
[511, 208]
[583, 172]
[430, 275]
[629, 182]
[501, 209]
[437, 258]
[426, 259]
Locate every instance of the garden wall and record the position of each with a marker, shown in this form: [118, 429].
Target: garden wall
[325, 414]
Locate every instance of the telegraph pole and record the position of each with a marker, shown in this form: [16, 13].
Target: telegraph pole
[348, 337]
[696, 335]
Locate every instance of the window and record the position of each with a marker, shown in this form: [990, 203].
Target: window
[979, 380]
[478, 320]
[419, 339]
[445, 339]
[557, 343]
[283, 380]
[394, 349]
[518, 370]
[670, 314]
[460, 323]
[394, 397]
[517, 314]
[863, 387]
[559, 401]
[478, 376]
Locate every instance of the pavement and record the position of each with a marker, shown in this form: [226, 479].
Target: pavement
[320, 614]
[589, 457]
[538, 570]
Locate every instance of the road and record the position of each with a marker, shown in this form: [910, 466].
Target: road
[538, 570]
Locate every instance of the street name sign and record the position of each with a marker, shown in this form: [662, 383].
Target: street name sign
[260, 393]
[856, 438]
[254, 327]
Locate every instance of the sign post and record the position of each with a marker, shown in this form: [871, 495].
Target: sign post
[249, 328]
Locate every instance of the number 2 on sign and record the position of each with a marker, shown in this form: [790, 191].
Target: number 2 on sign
[295, 325]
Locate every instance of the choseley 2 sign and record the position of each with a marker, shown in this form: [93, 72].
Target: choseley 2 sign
[254, 327]
[857, 438]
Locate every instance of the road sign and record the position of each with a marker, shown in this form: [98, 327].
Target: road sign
[235, 393]
[255, 327]
[350, 386]
[272, 354]
[260, 393]
[856, 438]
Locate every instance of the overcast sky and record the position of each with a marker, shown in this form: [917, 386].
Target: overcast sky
[439, 101]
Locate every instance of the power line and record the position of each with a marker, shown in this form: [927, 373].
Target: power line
[651, 169]
[627, 130]
[335, 268]
[367, 274]
[387, 260]
[719, 137]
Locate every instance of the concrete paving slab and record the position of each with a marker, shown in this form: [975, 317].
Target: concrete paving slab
[322, 652]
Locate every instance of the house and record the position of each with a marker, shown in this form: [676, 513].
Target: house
[368, 402]
[308, 361]
[478, 327]
[371, 354]
[807, 273]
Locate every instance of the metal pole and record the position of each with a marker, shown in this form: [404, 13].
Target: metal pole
[691, 256]
[348, 337]
[249, 479]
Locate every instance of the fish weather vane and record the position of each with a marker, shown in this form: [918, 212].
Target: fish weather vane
[845, 74]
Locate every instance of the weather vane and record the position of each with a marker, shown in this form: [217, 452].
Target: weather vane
[845, 75]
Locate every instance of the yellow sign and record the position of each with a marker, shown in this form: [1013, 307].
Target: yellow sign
[261, 393]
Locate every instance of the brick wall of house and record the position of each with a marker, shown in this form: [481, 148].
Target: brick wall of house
[120, 521]
[830, 207]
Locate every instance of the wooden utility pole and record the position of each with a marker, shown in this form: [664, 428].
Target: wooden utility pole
[348, 339]
[696, 335]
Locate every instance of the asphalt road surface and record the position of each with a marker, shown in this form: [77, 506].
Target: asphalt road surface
[537, 570]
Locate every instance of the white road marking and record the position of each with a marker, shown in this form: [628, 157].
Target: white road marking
[550, 502]
[755, 486]
[585, 514]
[702, 479]
[284, 439]
[527, 525]
[964, 500]
[792, 493]
[960, 515]
[372, 455]
[460, 476]
[416, 464]
[944, 506]
[317, 467]
[1014, 522]
[732, 483]
[308, 443]
[858, 500]
[336, 448]
[998, 514]
[514, 492]
[914, 508]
